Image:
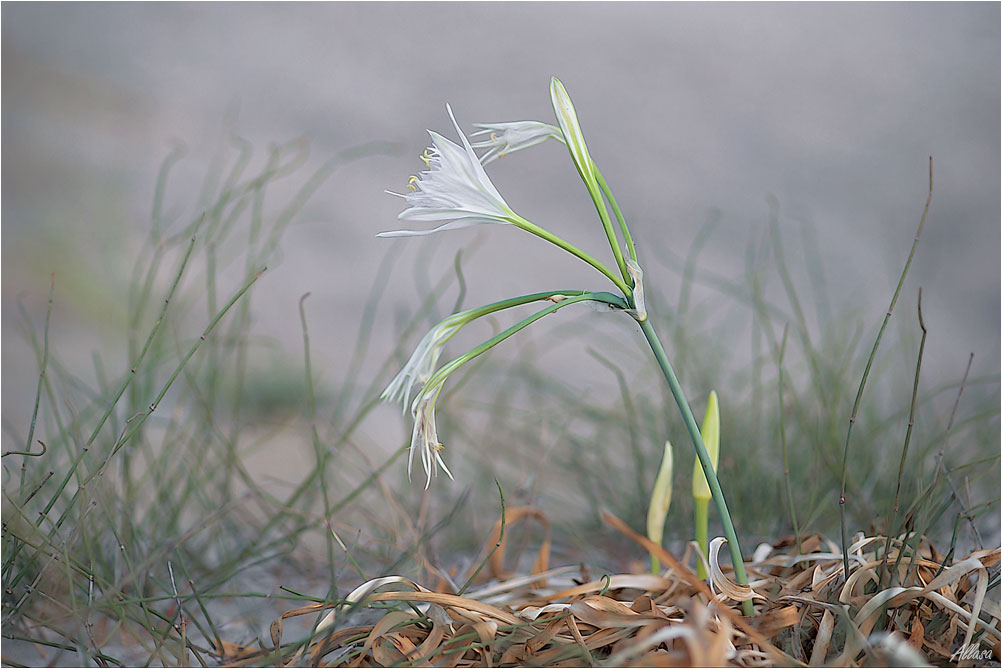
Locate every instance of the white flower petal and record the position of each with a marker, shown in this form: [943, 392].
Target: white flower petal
[506, 138]
[454, 225]
[454, 188]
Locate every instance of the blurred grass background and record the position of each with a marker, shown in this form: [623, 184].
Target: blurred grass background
[216, 459]
[266, 474]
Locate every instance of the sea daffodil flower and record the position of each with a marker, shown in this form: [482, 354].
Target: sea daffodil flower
[505, 138]
[454, 188]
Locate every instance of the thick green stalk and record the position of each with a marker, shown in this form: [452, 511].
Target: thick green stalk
[702, 513]
[704, 457]
[619, 214]
[603, 214]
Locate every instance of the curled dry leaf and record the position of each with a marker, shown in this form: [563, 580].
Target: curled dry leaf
[673, 619]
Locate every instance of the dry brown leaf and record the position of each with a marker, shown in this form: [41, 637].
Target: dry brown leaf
[512, 517]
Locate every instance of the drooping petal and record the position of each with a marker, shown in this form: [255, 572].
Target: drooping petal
[453, 225]
[421, 365]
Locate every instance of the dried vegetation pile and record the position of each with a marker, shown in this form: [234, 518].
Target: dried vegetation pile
[898, 607]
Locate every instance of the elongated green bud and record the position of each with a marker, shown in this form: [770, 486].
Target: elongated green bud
[657, 511]
[571, 129]
[710, 432]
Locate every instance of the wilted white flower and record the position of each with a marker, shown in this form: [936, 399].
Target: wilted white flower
[455, 188]
[424, 437]
[421, 364]
[505, 138]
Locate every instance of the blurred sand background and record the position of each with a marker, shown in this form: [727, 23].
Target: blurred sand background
[688, 109]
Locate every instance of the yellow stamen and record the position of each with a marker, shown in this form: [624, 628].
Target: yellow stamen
[426, 157]
[494, 137]
[410, 183]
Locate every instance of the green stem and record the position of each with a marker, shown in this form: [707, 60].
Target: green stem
[619, 214]
[782, 438]
[702, 513]
[603, 213]
[542, 233]
[704, 457]
[438, 378]
[866, 373]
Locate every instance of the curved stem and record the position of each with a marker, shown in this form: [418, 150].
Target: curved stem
[542, 233]
[704, 457]
[445, 370]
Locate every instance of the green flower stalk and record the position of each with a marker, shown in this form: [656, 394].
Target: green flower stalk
[456, 191]
[657, 510]
[700, 487]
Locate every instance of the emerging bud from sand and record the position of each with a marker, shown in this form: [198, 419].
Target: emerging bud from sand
[571, 129]
[710, 431]
[455, 188]
[657, 510]
[505, 138]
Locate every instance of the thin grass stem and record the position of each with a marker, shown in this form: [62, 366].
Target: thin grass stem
[782, 439]
[892, 527]
[41, 380]
[862, 382]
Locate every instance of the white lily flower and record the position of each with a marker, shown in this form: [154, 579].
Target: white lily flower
[505, 138]
[455, 188]
[421, 364]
